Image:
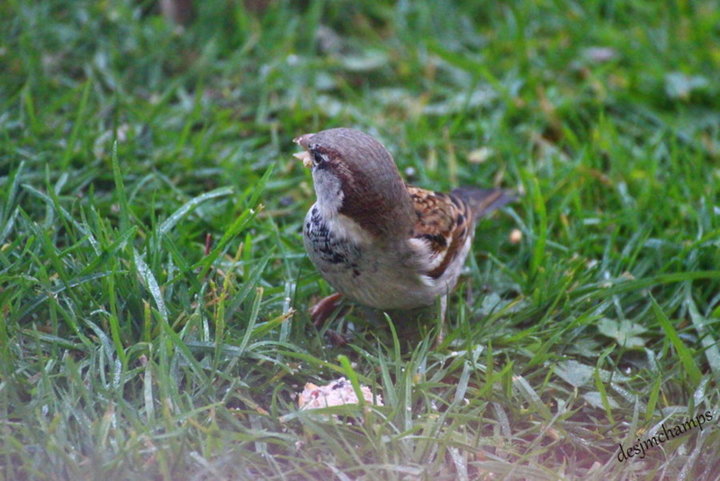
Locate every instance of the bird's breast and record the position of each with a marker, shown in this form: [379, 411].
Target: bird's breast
[363, 269]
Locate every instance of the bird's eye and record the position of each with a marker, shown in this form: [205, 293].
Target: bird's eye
[317, 157]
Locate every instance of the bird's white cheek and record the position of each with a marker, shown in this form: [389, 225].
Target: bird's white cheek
[346, 228]
[329, 201]
[329, 192]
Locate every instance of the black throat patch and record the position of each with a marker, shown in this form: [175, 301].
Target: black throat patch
[328, 247]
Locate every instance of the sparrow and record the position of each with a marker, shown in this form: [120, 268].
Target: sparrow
[376, 240]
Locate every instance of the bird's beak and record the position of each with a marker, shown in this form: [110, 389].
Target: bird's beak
[303, 141]
[305, 157]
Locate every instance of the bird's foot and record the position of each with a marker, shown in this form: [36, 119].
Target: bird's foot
[337, 339]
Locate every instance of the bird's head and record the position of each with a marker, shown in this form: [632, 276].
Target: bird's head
[355, 176]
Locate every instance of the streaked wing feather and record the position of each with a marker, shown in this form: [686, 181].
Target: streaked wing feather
[444, 221]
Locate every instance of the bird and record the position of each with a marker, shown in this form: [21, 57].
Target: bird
[376, 240]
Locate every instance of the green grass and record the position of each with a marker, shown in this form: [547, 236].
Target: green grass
[154, 288]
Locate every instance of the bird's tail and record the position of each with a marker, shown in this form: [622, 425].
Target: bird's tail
[484, 201]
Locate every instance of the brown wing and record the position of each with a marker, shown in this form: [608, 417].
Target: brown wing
[443, 224]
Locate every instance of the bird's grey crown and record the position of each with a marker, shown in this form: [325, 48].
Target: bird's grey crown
[371, 191]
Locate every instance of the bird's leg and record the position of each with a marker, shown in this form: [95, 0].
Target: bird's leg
[442, 330]
[323, 309]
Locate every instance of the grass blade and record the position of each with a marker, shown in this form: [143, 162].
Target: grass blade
[189, 206]
[685, 355]
[151, 284]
